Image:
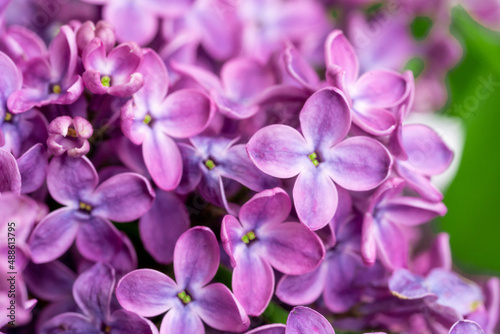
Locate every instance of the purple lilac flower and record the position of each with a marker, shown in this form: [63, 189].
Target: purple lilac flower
[92, 292]
[260, 241]
[320, 156]
[190, 299]
[22, 45]
[69, 135]
[102, 30]
[88, 209]
[382, 236]
[52, 79]
[212, 159]
[152, 118]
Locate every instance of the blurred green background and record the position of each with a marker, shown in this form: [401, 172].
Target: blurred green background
[474, 196]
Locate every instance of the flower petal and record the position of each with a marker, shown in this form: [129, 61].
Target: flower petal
[291, 248]
[123, 197]
[269, 207]
[70, 179]
[303, 320]
[253, 281]
[73, 323]
[405, 285]
[466, 327]
[379, 89]
[375, 121]
[155, 76]
[269, 329]
[51, 281]
[315, 197]
[325, 118]
[427, 152]
[392, 245]
[338, 51]
[412, 211]
[10, 177]
[122, 321]
[162, 225]
[217, 307]
[33, 168]
[163, 160]
[147, 292]
[53, 235]
[196, 257]
[301, 289]
[98, 240]
[279, 150]
[181, 320]
[299, 69]
[358, 163]
[418, 182]
[92, 291]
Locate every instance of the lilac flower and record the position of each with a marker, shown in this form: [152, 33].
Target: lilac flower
[466, 327]
[427, 155]
[102, 30]
[52, 80]
[372, 95]
[260, 241]
[88, 208]
[212, 159]
[189, 300]
[387, 213]
[69, 135]
[441, 292]
[320, 157]
[151, 118]
[22, 45]
[114, 73]
[92, 292]
[10, 82]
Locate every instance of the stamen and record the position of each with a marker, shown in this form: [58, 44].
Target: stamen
[147, 119]
[210, 164]
[184, 297]
[250, 236]
[56, 89]
[72, 133]
[106, 81]
[85, 207]
[314, 158]
[8, 117]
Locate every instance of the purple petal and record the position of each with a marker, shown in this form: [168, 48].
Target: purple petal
[155, 76]
[147, 292]
[466, 327]
[379, 89]
[69, 179]
[92, 291]
[19, 209]
[291, 248]
[253, 281]
[405, 285]
[392, 245]
[325, 118]
[98, 239]
[10, 177]
[418, 182]
[375, 121]
[303, 320]
[411, 211]
[437, 256]
[11, 79]
[53, 235]
[301, 289]
[315, 197]
[196, 257]
[368, 241]
[121, 14]
[338, 51]
[94, 56]
[191, 172]
[158, 234]
[51, 281]
[123, 321]
[244, 79]
[299, 69]
[163, 160]
[73, 323]
[181, 320]
[92, 81]
[33, 168]
[427, 152]
[123, 197]
[279, 150]
[358, 163]
[217, 307]
[269, 329]
[124, 61]
[63, 54]
[269, 207]
[134, 83]
[185, 113]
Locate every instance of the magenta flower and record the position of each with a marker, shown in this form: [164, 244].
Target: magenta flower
[320, 157]
[92, 292]
[115, 73]
[53, 80]
[88, 210]
[373, 94]
[259, 241]
[382, 236]
[152, 118]
[190, 299]
[69, 135]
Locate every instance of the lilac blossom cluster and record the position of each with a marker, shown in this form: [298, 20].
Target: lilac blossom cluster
[265, 141]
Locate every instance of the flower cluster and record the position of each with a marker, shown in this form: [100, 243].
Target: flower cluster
[264, 149]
